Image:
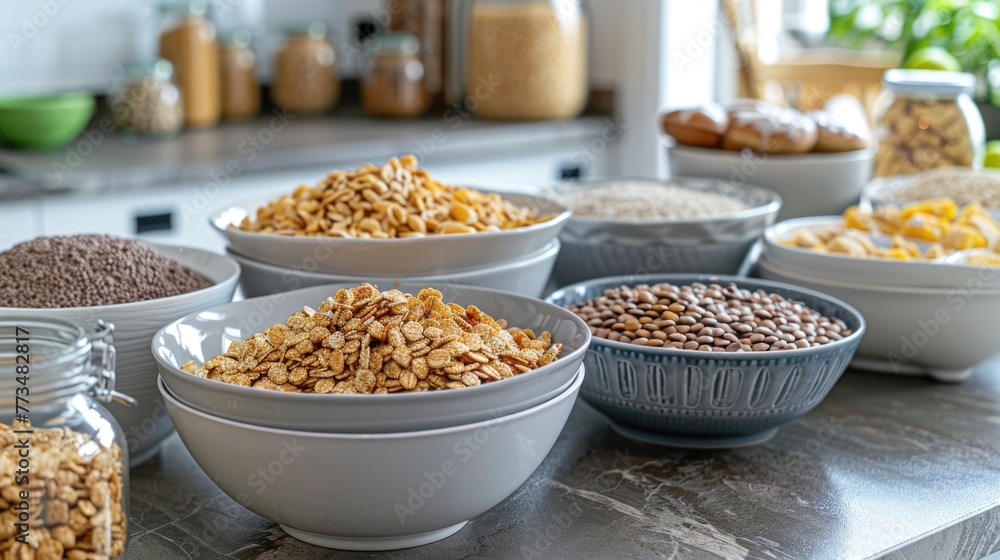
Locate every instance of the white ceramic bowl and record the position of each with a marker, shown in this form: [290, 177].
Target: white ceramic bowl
[813, 184]
[209, 332]
[420, 256]
[943, 333]
[852, 270]
[528, 275]
[595, 248]
[373, 491]
[147, 425]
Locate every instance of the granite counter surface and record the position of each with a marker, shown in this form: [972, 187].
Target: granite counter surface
[885, 467]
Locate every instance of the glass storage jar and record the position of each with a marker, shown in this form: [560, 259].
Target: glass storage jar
[526, 59]
[926, 119]
[392, 80]
[240, 90]
[63, 455]
[427, 20]
[145, 102]
[188, 41]
[305, 71]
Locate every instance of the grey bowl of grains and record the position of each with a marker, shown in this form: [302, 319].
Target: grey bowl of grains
[646, 226]
[709, 361]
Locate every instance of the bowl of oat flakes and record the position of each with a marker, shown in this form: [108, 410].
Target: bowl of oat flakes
[137, 287]
[647, 226]
[351, 358]
[389, 221]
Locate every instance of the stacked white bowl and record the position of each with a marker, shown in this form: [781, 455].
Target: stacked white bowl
[369, 472]
[518, 260]
[924, 318]
[147, 424]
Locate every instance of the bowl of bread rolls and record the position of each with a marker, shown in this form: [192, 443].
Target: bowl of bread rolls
[817, 161]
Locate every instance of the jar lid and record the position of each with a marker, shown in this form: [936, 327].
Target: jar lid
[316, 28]
[406, 43]
[192, 7]
[939, 82]
[240, 37]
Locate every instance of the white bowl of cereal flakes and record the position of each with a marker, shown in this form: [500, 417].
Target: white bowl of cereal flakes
[350, 358]
[646, 226]
[393, 220]
[137, 287]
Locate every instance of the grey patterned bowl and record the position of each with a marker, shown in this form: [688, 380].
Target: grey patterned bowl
[595, 248]
[699, 399]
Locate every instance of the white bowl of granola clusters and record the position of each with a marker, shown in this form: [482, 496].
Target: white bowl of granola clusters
[646, 226]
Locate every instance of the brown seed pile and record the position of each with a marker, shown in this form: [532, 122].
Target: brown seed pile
[710, 318]
[366, 341]
[394, 200]
[74, 495]
[89, 270]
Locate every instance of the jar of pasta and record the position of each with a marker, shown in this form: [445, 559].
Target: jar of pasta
[393, 77]
[305, 71]
[64, 457]
[925, 119]
[526, 59]
[188, 41]
[240, 90]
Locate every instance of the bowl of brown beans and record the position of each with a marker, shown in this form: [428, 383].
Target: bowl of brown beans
[709, 361]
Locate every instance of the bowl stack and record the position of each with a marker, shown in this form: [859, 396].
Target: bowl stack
[369, 471]
[518, 260]
[700, 399]
[924, 318]
[147, 424]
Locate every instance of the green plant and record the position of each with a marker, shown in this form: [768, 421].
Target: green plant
[968, 29]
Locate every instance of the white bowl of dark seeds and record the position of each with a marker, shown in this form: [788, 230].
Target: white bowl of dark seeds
[136, 286]
[709, 361]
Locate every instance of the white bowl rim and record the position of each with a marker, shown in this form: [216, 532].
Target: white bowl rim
[873, 288]
[787, 226]
[246, 205]
[772, 206]
[233, 275]
[720, 279]
[550, 250]
[280, 397]
[482, 424]
[808, 157]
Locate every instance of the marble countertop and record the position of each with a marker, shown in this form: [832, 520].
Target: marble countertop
[104, 161]
[886, 467]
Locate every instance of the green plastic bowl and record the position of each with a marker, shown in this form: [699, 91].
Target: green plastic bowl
[44, 122]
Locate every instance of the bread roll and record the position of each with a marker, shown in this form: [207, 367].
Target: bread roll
[698, 126]
[773, 130]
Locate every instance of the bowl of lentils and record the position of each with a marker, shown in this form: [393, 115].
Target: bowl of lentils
[709, 361]
[135, 286]
[647, 226]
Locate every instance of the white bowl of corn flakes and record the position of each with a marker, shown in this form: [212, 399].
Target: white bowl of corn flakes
[927, 244]
[372, 492]
[393, 220]
[398, 363]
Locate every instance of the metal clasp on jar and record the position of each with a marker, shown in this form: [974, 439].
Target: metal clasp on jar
[103, 358]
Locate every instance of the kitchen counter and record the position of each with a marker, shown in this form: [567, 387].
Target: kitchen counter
[885, 467]
[100, 160]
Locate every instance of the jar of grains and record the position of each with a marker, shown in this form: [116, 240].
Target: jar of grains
[526, 59]
[393, 77]
[926, 119]
[188, 42]
[240, 90]
[305, 71]
[64, 482]
[427, 20]
[145, 102]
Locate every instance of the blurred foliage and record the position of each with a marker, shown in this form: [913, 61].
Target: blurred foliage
[968, 29]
